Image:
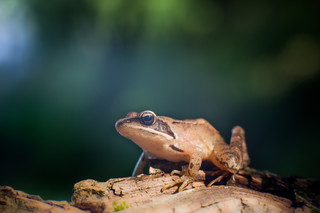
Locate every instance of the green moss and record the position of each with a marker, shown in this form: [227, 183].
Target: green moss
[119, 207]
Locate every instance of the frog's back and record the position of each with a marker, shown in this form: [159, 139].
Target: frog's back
[210, 136]
[197, 133]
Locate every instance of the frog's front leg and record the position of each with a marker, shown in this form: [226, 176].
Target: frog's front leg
[188, 176]
[141, 164]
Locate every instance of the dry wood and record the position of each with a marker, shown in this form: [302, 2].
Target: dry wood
[253, 191]
[17, 201]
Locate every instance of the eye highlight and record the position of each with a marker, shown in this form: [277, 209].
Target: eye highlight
[148, 118]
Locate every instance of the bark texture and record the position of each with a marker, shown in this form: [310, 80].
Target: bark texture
[253, 191]
[17, 201]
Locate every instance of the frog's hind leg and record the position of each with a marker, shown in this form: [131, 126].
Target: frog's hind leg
[238, 145]
[232, 157]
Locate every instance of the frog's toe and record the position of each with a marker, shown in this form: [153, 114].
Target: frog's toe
[176, 172]
[176, 182]
[219, 178]
[184, 181]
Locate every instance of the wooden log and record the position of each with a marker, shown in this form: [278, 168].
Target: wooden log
[17, 201]
[252, 191]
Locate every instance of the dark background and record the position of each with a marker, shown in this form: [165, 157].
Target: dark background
[70, 69]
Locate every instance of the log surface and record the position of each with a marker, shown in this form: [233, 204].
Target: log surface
[17, 201]
[253, 191]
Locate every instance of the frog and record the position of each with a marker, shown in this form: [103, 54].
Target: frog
[191, 140]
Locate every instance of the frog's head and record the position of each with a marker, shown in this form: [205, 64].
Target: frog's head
[145, 129]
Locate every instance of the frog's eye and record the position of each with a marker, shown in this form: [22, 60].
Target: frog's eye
[148, 118]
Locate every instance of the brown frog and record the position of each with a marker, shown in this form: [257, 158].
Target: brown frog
[192, 141]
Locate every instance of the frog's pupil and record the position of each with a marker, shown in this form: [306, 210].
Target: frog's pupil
[147, 118]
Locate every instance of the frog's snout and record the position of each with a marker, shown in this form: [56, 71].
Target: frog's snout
[118, 125]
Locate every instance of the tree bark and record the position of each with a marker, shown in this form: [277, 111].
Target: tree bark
[252, 191]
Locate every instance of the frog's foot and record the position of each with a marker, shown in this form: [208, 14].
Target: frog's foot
[223, 174]
[184, 181]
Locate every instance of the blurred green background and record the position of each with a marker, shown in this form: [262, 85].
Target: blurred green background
[70, 69]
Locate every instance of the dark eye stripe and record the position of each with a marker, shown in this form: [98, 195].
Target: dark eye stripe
[163, 127]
